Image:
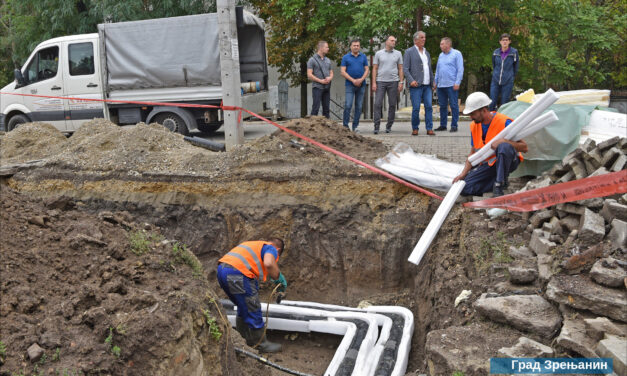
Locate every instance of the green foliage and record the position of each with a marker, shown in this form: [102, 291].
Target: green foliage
[214, 329]
[115, 350]
[3, 351]
[492, 250]
[182, 255]
[57, 355]
[458, 373]
[141, 241]
[43, 359]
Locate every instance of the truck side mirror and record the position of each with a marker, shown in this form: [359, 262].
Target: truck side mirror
[19, 78]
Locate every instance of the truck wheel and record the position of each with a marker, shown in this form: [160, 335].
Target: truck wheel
[173, 122]
[16, 121]
[209, 127]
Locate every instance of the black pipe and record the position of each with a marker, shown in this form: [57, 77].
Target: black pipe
[201, 142]
[269, 363]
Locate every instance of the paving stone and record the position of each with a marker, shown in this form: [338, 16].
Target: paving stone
[539, 217]
[620, 163]
[612, 209]
[548, 227]
[592, 162]
[545, 267]
[508, 288]
[583, 261]
[594, 204]
[573, 337]
[578, 291]
[520, 252]
[555, 224]
[571, 208]
[571, 238]
[539, 244]
[527, 348]
[608, 272]
[614, 347]
[600, 171]
[572, 155]
[608, 143]
[466, 349]
[34, 352]
[618, 234]
[588, 145]
[623, 199]
[609, 157]
[579, 168]
[522, 275]
[556, 171]
[538, 183]
[598, 327]
[529, 313]
[591, 229]
[570, 175]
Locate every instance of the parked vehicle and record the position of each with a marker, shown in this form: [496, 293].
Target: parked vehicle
[162, 60]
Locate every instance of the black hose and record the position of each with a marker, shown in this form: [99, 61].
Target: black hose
[207, 144]
[269, 363]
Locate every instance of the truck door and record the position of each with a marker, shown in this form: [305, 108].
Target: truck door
[82, 79]
[43, 77]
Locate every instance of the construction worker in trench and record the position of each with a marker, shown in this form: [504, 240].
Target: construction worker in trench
[490, 175]
[239, 273]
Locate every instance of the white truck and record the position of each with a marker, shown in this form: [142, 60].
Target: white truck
[161, 60]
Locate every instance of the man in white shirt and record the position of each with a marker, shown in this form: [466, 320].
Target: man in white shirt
[419, 76]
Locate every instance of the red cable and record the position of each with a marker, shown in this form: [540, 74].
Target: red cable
[235, 108]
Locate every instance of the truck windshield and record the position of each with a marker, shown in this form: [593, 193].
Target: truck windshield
[44, 65]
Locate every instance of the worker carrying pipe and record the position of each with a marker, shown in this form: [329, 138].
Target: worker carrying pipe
[490, 175]
[239, 273]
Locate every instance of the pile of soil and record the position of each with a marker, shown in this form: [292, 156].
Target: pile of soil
[102, 297]
[101, 146]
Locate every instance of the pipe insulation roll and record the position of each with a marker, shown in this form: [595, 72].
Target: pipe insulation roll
[534, 111]
[540, 123]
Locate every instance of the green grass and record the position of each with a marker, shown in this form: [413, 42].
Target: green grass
[458, 373]
[182, 255]
[57, 355]
[3, 351]
[214, 329]
[115, 350]
[141, 241]
[492, 250]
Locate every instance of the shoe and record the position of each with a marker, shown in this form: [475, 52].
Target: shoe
[440, 128]
[497, 191]
[414, 132]
[265, 346]
[453, 130]
[506, 184]
[388, 130]
[241, 327]
[431, 133]
[356, 130]
[376, 131]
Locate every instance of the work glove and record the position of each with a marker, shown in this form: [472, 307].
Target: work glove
[282, 281]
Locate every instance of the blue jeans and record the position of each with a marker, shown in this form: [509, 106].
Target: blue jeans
[446, 96]
[357, 94]
[321, 96]
[244, 293]
[425, 94]
[505, 92]
[481, 179]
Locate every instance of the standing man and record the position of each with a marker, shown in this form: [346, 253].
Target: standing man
[490, 175]
[505, 62]
[419, 76]
[238, 275]
[387, 77]
[320, 74]
[448, 76]
[354, 68]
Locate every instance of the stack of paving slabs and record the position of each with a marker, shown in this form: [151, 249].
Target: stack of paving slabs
[587, 222]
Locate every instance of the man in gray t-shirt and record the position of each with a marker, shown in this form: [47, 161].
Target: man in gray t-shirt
[319, 72]
[387, 77]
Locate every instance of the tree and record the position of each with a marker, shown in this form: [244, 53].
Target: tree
[295, 28]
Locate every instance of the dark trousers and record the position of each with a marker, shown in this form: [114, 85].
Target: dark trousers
[481, 179]
[504, 91]
[321, 96]
[391, 88]
[244, 293]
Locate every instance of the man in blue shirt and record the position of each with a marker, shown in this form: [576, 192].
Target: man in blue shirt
[448, 76]
[354, 68]
[505, 61]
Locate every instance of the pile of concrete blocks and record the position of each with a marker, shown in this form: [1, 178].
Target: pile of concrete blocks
[586, 222]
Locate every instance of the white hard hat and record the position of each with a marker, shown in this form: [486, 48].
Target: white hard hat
[476, 101]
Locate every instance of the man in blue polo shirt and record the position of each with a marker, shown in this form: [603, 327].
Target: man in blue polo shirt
[354, 68]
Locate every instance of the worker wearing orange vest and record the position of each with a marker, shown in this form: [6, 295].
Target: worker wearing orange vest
[239, 272]
[490, 175]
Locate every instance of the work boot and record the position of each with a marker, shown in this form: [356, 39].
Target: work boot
[265, 346]
[241, 327]
[498, 189]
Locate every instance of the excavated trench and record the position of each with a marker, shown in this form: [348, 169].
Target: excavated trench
[347, 238]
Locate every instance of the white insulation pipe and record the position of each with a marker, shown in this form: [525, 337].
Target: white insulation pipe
[536, 125]
[436, 222]
[518, 124]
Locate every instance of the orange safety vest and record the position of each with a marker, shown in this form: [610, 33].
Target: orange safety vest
[496, 126]
[246, 258]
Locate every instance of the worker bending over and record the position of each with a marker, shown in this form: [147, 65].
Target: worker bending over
[490, 175]
[239, 272]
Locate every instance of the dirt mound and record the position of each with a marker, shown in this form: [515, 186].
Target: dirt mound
[30, 141]
[101, 297]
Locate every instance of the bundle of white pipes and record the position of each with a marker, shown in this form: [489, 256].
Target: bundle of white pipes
[523, 126]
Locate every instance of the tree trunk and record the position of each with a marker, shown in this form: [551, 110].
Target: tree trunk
[420, 16]
[303, 88]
